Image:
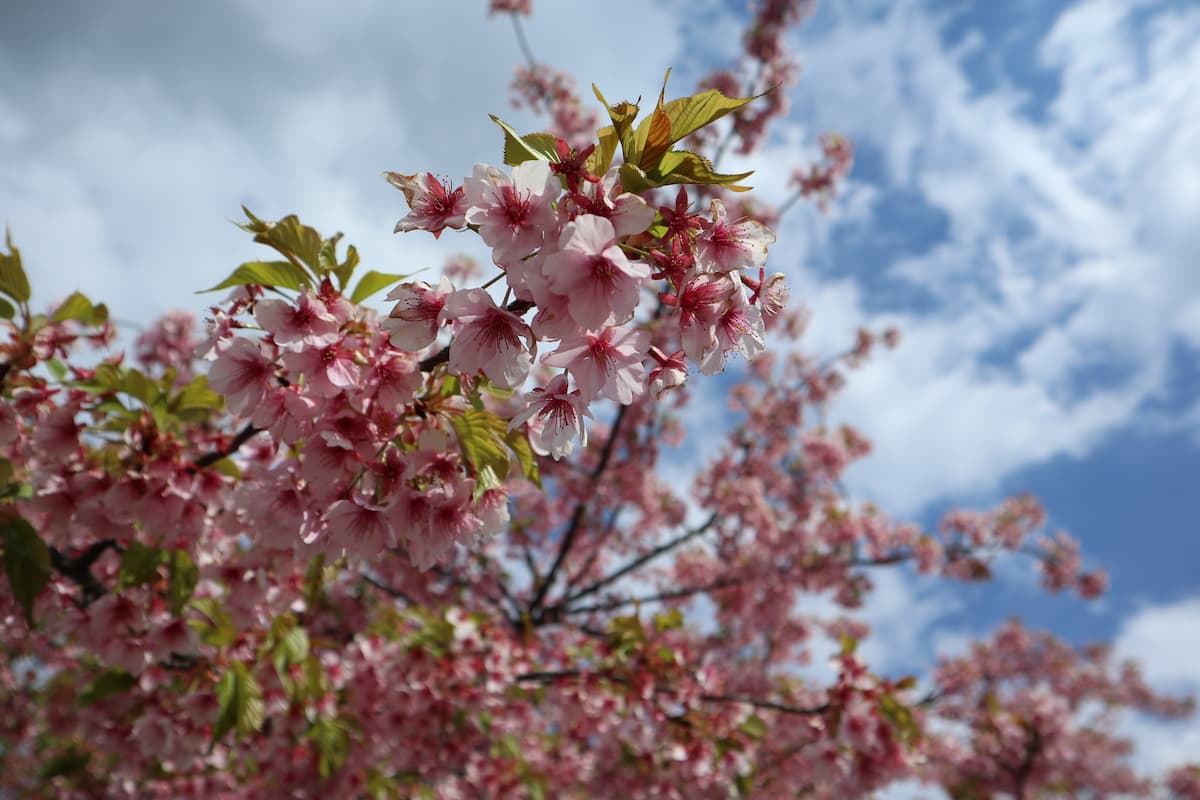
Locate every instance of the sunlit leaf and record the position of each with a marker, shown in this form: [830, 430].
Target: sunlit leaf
[683, 166]
[280, 274]
[79, 307]
[654, 134]
[289, 236]
[240, 700]
[481, 436]
[373, 282]
[519, 149]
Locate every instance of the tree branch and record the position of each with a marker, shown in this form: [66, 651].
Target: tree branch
[208, 459]
[645, 558]
[550, 676]
[572, 530]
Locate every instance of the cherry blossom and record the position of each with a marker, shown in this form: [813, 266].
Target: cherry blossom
[488, 339]
[605, 364]
[514, 212]
[589, 269]
[556, 417]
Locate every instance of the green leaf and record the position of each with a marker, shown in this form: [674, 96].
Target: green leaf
[66, 763]
[690, 114]
[754, 727]
[654, 134]
[240, 701]
[519, 149]
[373, 282]
[139, 565]
[13, 281]
[27, 562]
[900, 716]
[108, 683]
[139, 385]
[346, 269]
[518, 442]
[602, 157]
[622, 116]
[184, 575]
[668, 620]
[196, 396]
[290, 237]
[288, 645]
[228, 468]
[481, 436]
[332, 741]
[280, 274]
[327, 255]
[7, 311]
[78, 307]
[684, 166]
[216, 628]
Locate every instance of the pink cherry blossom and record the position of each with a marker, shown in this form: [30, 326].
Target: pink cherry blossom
[435, 205]
[605, 364]
[243, 374]
[326, 372]
[488, 339]
[514, 213]
[740, 326]
[357, 527]
[306, 323]
[723, 246]
[601, 284]
[701, 304]
[668, 372]
[414, 321]
[556, 418]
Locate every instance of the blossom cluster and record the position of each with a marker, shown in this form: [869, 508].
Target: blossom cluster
[565, 241]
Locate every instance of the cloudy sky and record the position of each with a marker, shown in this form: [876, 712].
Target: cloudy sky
[1025, 206]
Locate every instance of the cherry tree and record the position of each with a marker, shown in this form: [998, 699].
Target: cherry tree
[431, 552]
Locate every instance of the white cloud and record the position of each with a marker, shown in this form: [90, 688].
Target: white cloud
[1166, 640]
[1066, 271]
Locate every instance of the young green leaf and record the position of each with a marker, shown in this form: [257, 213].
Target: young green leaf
[280, 274]
[139, 565]
[27, 562]
[13, 281]
[78, 307]
[240, 700]
[373, 282]
[290, 237]
[653, 135]
[481, 436]
[184, 575]
[519, 149]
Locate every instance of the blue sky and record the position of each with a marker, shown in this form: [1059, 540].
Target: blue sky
[1024, 206]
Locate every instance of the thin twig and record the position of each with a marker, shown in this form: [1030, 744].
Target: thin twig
[568, 539]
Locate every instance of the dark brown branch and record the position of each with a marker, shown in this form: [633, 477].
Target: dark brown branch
[671, 594]
[549, 676]
[244, 435]
[568, 539]
[78, 569]
[388, 590]
[645, 558]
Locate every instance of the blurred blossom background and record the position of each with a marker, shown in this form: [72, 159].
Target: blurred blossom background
[1023, 207]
